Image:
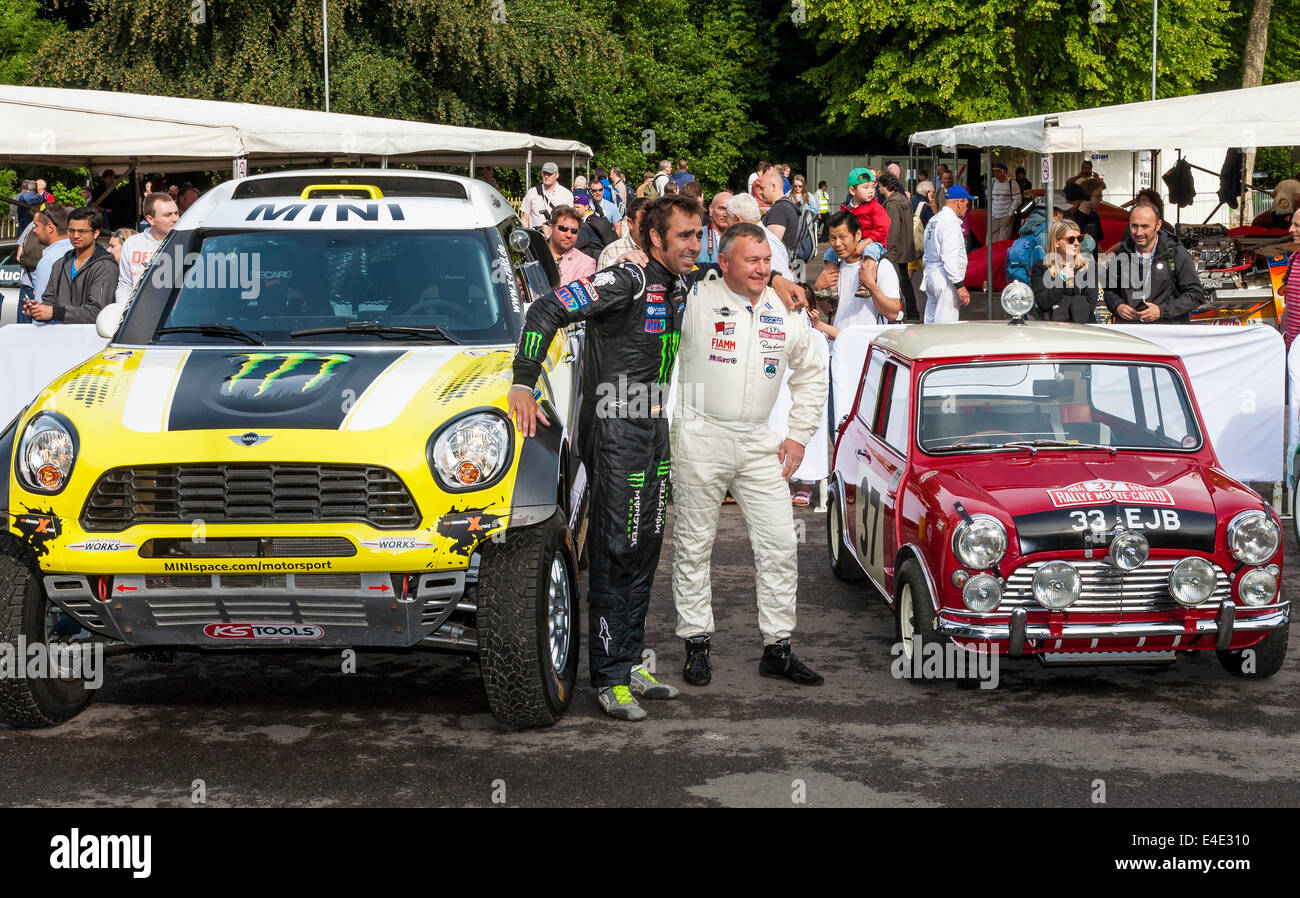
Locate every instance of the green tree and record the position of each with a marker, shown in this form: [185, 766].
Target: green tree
[927, 63]
[22, 33]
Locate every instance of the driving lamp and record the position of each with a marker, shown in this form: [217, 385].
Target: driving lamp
[1017, 300]
[1056, 585]
[1192, 581]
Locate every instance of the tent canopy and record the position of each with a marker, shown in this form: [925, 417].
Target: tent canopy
[61, 126]
[1251, 117]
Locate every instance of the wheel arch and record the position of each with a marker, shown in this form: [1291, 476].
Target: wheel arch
[913, 551]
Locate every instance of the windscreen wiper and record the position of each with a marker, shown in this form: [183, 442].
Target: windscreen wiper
[1062, 444]
[953, 447]
[387, 331]
[216, 330]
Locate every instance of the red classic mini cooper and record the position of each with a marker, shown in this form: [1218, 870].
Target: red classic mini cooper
[1048, 490]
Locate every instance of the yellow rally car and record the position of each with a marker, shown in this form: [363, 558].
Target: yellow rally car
[297, 438]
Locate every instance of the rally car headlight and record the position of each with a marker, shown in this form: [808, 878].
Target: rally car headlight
[47, 453]
[1129, 550]
[981, 543]
[471, 452]
[1192, 581]
[1257, 587]
[1253, 537]
[982, 593]
[1057, 585]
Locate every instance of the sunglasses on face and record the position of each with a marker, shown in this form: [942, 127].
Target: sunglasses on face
[566, 230]
[80, 231]
[1074, 239]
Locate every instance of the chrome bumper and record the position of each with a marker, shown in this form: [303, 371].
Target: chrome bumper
[1018, 631]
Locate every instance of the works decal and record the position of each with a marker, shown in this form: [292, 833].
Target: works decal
[1101, 492]
[263, 631]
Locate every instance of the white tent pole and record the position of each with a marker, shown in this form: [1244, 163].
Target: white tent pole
[471, 164]
[325, 29]
[988, 225]
[528, 172]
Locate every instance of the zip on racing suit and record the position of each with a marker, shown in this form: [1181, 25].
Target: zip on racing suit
[633, 325]
[733, 360]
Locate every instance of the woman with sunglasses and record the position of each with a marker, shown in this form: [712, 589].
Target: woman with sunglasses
[1059, 279]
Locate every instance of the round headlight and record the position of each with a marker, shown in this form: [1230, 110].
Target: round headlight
[1056, 585]
[471, 452]
[981, 543]
[1257, 587]
[1192, 581]
[1253, 537]
[982, 593]
[1017, 299]
[46, 455]
[1129, 550]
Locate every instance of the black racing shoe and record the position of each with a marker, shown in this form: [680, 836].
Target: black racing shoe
[697, 670]
[781, 663]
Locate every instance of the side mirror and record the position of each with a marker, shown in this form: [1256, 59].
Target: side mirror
[109, 319]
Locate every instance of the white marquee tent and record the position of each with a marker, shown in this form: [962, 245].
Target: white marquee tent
[1251, 117]
[61, 126]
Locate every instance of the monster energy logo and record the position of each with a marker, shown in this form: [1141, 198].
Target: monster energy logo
[532, 344]
[667, 355]
[283, 363]
[664, 467]
[637, 480]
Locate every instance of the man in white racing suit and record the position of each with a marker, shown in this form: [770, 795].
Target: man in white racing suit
[737, 341]
[945, 260]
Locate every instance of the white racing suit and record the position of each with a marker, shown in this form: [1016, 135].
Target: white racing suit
[732, 361]
[945, 267]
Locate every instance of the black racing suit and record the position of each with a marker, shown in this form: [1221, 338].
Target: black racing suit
[633, 325]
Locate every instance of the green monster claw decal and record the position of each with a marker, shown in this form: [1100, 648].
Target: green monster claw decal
[668, 355]
[532, 344]
[664, 467]
[288, 362]
[637, 480]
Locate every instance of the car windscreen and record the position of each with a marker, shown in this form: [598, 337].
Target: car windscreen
[275, 283]
[1113, 404]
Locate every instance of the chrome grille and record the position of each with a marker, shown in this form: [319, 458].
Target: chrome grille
[248, 493]
[1106, 590]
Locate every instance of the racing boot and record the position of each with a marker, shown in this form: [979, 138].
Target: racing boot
[781, 663]
[619, 703]
[644, 685]
[697, 670]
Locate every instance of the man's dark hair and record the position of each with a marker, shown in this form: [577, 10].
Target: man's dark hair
[599, 174]
[681, 164]
[152, 200]
[738, 230]
[1020, 170]
[55, 215]
[821, 184]
[1074, 192]
[888, 180]
[844, 218]
[659, 214]
[693, 190]
[85, 213]
[634, 206]
[1153, 197]
[565, 211]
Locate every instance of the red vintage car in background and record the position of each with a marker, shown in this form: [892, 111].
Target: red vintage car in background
[1047, 490]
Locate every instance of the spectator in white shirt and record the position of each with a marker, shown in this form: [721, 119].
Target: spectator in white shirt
[1006, 200]
[544, 198]
[160, 212]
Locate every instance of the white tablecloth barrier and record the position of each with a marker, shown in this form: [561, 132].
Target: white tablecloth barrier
[816, 457]
[31, 357]
[1293, 407]
[1237, 375]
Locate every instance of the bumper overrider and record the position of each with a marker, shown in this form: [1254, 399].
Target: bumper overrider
[1018, 632]
[377, 589]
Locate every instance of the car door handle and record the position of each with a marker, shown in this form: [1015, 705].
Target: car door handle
[863, 453]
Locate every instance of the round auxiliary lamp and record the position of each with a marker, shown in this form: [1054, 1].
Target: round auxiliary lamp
[1017, 300]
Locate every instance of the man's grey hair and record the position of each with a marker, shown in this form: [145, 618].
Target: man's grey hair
[744, 207]
[665, 165]
[736, 231]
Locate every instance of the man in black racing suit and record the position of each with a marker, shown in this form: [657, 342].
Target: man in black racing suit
[632, 317]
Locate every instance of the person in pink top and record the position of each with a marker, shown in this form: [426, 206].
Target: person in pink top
[563, 239]
[1291, 292]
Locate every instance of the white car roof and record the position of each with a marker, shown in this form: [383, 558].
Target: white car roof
[411, 200]
[1000, 338]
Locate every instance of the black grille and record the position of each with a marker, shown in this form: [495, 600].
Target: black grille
[249, 493]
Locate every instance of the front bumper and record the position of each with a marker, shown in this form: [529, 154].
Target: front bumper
[364, 609]
[1018, 632]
